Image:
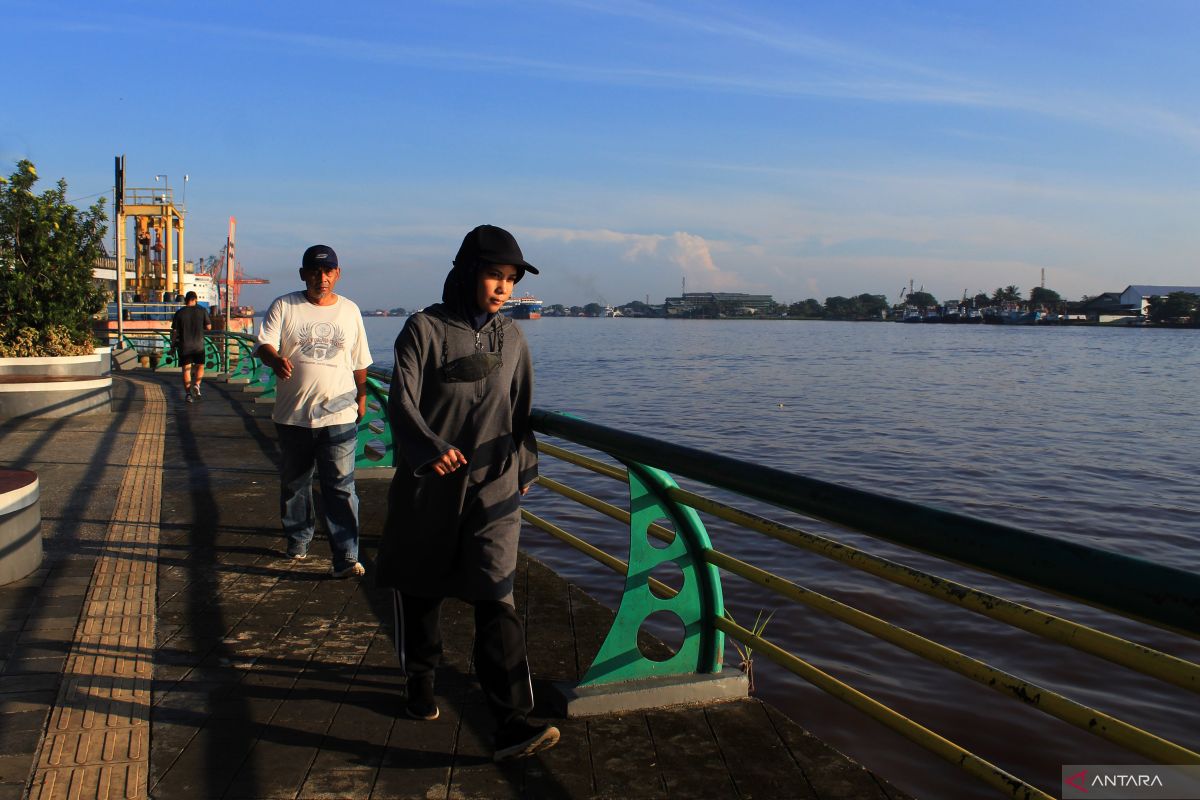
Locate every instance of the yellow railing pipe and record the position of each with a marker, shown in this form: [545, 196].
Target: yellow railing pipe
[1139, 658]
[1045, 700]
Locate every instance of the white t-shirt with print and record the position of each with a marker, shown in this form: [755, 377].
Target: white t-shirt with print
[325, 345]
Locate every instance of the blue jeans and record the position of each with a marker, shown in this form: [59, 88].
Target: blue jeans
[330, 452]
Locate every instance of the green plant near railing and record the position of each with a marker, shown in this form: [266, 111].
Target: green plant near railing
[745, 650]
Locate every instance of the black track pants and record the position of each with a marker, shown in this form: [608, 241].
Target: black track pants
[501, 663]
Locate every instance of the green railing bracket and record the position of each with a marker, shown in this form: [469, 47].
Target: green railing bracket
[697, 604]
[375, 447]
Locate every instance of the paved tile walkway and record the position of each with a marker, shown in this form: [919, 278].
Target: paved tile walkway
[97, 743]
[270, 679]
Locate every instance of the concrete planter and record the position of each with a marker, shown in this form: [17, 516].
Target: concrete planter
[98, 363]
[54, 395]
[56, 386]
[20, 524]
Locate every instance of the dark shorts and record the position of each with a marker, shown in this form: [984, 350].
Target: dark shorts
[191, 358]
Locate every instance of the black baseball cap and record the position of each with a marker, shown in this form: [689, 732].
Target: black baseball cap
[492, 245]
[319, 256]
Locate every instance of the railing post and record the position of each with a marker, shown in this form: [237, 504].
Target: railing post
[375, 447]
[697, 605]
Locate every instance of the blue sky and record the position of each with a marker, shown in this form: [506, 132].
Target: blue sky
[800, 149]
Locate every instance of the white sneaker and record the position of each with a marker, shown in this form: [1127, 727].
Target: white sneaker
[196, 390]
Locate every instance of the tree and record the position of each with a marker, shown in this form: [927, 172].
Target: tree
[47, 251]
[1044, 297]
[839, 307]
[980, 301]
[593, 310]
[871, 306]
[1174, 308]
[1006, 294]
[809, 309]
[921, 300]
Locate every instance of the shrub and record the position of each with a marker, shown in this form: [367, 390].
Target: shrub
[47, 250]
[53, 341]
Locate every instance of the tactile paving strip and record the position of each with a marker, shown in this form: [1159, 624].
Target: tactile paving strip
[97, 743]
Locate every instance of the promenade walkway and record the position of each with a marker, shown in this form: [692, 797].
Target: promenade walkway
[166, 650]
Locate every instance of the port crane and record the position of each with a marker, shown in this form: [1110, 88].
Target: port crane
[229, 276]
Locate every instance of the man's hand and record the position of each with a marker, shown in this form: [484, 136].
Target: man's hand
[451, 460]
[362, 408]
[282, 367]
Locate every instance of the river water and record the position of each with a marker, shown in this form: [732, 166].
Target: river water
[1088, 434]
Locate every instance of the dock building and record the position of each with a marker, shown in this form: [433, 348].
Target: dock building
[719, 304]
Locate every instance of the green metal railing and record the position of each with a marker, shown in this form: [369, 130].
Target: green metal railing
[1167, 597]
[231, 354]
[668, 536]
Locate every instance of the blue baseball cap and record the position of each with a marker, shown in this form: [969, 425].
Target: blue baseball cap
[319, 256]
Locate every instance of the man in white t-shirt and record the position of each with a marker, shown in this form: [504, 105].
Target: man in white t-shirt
[315, 343]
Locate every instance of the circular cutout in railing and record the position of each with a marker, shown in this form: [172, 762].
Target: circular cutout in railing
[669, 574]
[660, 635]
[665, 529]
[375, 450]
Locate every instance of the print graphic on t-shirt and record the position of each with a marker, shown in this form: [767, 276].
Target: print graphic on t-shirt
[321, 340]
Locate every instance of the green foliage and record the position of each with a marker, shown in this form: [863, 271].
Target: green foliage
[921, 300]
[809, 309]
[746, 650]
[864, 306]
[53, 341]
[1044, 297]
[1006, 294]
[593, 310]
[47, 250]
[1175, 308]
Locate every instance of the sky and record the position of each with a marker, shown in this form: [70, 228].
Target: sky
[799, 149]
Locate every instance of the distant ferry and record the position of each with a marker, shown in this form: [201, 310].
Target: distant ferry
[527, 307]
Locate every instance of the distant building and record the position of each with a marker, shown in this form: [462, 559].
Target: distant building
[1106, 308]
[718, 304]
[1127, 306]
[1137, 298]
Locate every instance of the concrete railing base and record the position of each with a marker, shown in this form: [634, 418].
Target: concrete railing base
[648, 693]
